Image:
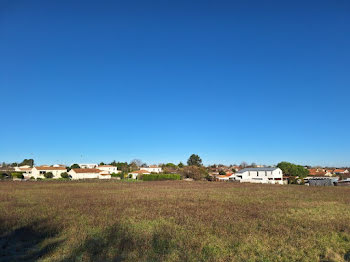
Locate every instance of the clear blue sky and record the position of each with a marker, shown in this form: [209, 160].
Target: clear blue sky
[89, 81]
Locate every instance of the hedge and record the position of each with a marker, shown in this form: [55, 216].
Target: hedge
[17, 175]
[154, 177]
[121, 175]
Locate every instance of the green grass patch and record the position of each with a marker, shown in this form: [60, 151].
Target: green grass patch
[159, 177]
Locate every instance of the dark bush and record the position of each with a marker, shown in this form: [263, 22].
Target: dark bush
[121, 175]
[5, 176]
[222, 173]
[65, 175]
[48, 175]
[154, 177]
[194, 172]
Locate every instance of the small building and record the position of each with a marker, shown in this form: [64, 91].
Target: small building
[26, 171]
[109, 169]
[264, 175]
[85, 173]
[20, 168]
[345, 182]
[225, 177]
[135, 174]
[152, 169]
[40, 171]
[340, 171]
[88, 165]
[321, 181]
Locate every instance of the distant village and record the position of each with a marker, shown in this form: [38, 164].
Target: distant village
[283, 173]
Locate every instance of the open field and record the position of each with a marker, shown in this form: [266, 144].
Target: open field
[172, 221]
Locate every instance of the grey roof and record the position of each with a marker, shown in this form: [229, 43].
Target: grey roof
[257, 169]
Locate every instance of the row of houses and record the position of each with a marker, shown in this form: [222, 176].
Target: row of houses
[327, 172]
[86, 171]
[264, 175]
[274, 175]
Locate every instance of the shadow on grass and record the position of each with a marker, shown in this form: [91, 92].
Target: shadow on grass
[347, 256]
[104, 246]
[28, 243]
[124, 242]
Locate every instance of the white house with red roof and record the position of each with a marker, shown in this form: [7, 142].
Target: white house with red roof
[25, 170]
[88, 173]
[109, 169]
[88, 165]
[40, 171]
[135, 174]
[340, 171]
[152, 169]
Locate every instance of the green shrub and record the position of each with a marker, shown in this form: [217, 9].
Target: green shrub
[65, 175]
[5, 176]
[222, 173]
[155, 177]
[32, 177]
[121, 175]
[48, 175]
[17, 175]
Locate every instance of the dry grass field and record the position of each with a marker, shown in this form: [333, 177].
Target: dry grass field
[172, 221]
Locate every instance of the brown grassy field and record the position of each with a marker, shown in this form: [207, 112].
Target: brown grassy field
[172, 221]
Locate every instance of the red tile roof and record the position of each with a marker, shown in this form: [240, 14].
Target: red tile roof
[50, 168]
[316, 172]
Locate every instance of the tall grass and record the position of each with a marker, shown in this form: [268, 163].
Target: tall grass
[172, 221]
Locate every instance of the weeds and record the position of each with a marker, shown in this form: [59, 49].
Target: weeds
[173, 221]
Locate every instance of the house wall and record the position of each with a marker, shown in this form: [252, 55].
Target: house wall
[152, 169]
[104, 176]
[76, 176]
[110, 170]
[264, 177]
[40, 173]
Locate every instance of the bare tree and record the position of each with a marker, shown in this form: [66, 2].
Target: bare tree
[243, 164]
[136, 162]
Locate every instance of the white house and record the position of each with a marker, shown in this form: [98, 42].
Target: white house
[25, 170]
[20, 168]
[84, 173]
[265, 175]
[340, 171]
[39, 171]
[109, 169]
[152, 169]
[88, 165]
[135, 174]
